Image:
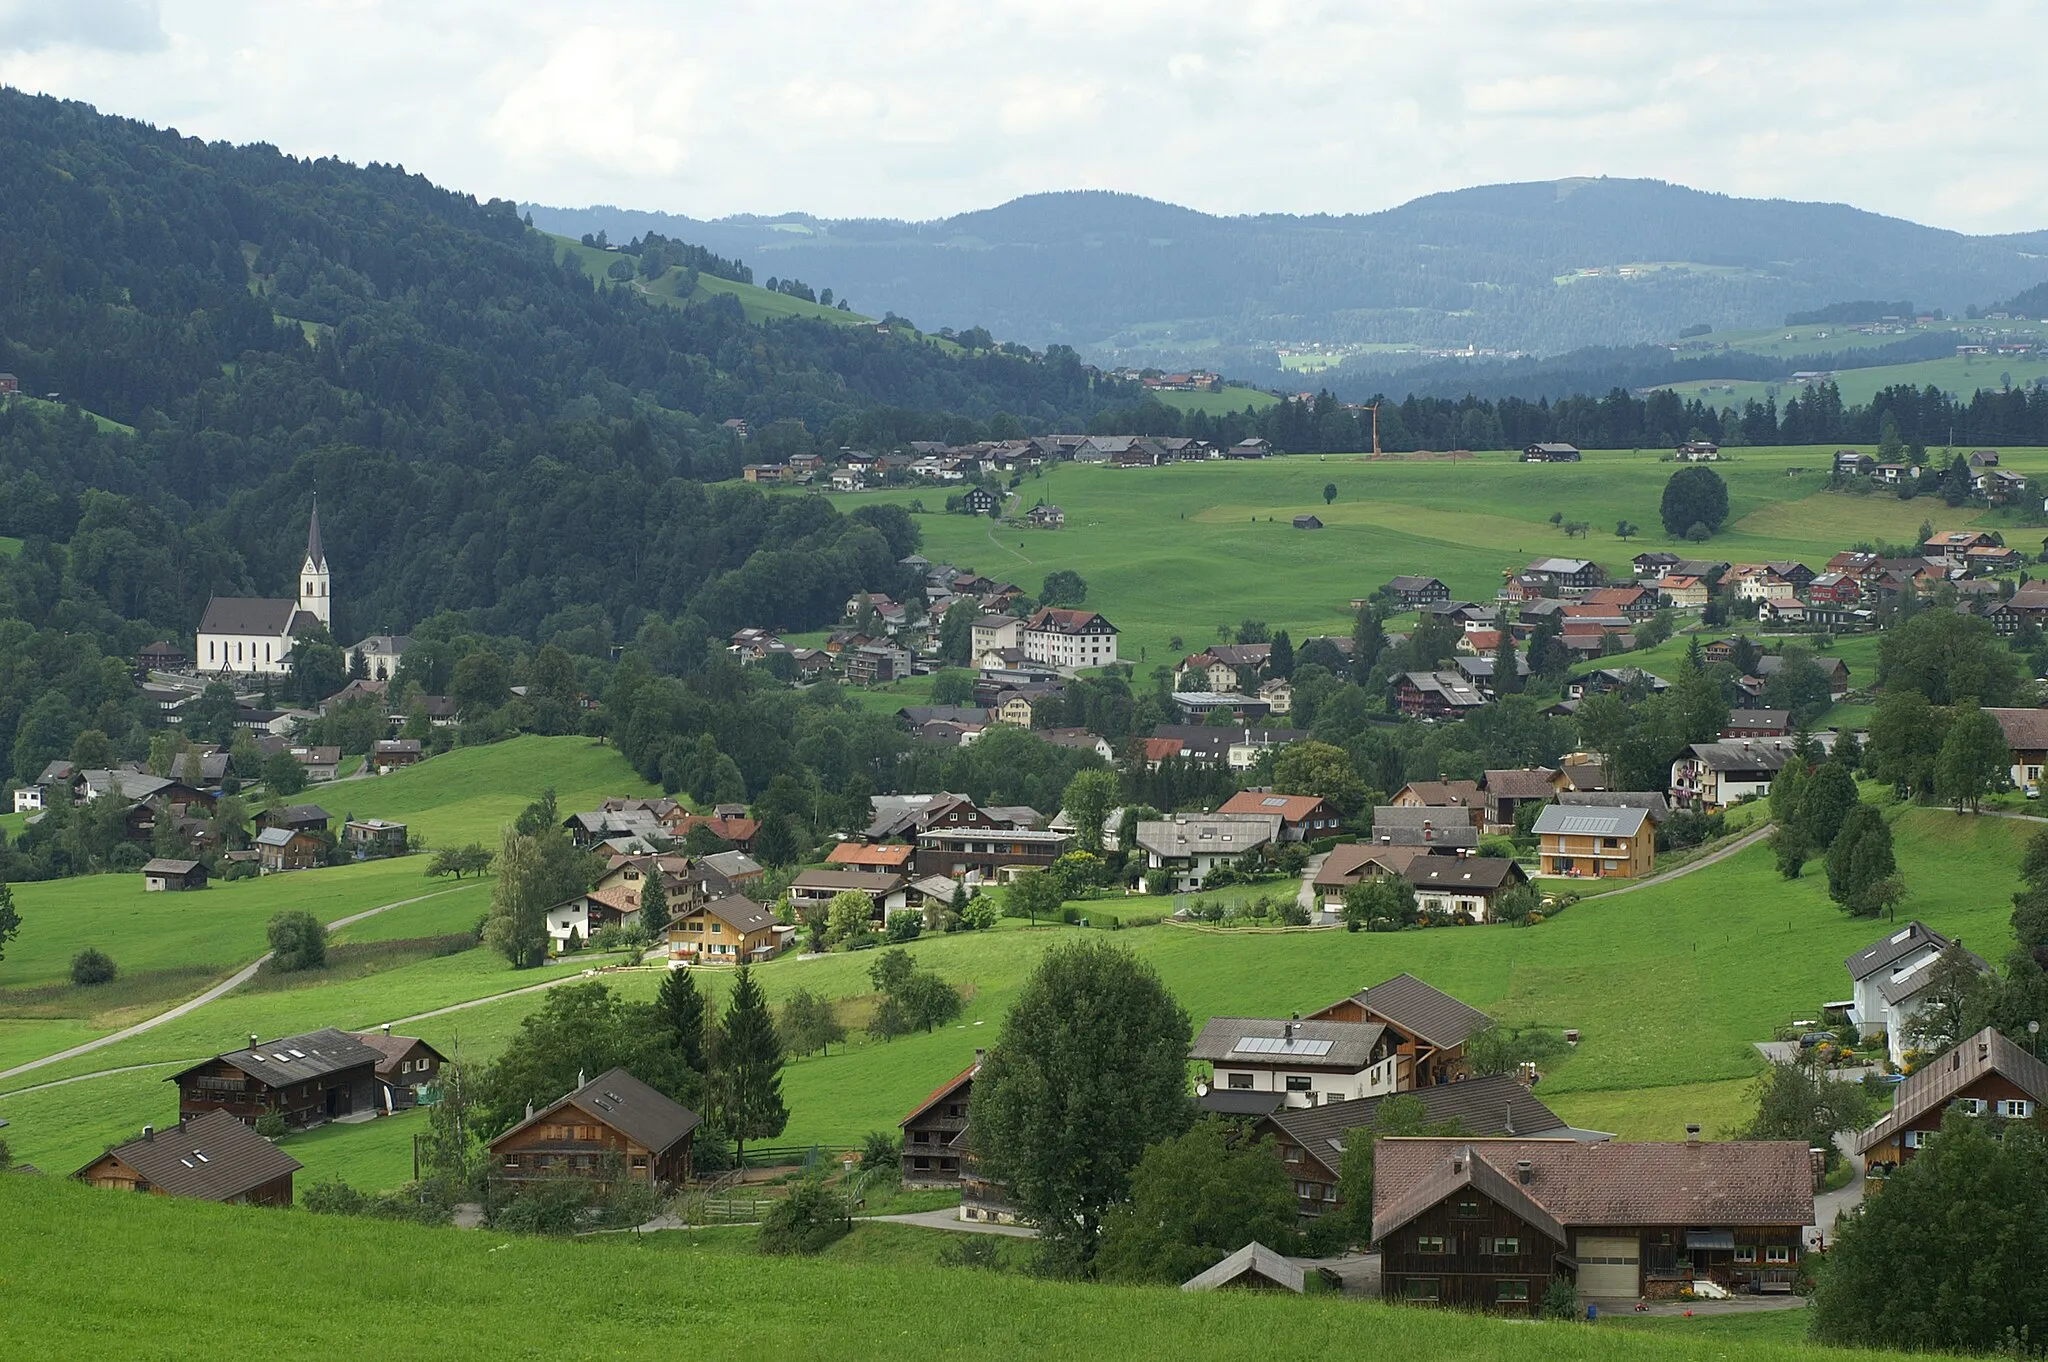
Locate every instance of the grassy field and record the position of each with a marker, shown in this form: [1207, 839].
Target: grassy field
[758, 303]
[1958, 375]
[1232, 399]
[1178, 551]
[432, 1293]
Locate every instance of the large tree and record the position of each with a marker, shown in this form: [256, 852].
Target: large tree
[1973, 757]
[10, 919]
[653, 903]
[747, 1066]
[1089, 799]
[1949, 1258]
[1829, 794]
[1320, 768]
[1694, 496]
[1196, 1199]
[1861, 868]
[1945, 657]
[1089, 1068]
[538, 867]
[681, 1009]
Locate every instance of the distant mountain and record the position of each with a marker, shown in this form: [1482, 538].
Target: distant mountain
[1533, 267]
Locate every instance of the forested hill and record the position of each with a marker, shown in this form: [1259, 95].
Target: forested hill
[489, 429]
[1496, 266]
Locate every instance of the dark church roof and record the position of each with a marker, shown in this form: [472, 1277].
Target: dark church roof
[316, 552]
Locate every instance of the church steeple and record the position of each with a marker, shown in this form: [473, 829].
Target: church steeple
[313, 578]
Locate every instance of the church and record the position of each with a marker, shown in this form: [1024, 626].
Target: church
[248, 636]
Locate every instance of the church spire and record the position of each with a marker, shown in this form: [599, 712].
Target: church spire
[316, 555]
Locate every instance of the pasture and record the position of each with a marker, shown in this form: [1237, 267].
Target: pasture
[470, 1295]
[1232, 398]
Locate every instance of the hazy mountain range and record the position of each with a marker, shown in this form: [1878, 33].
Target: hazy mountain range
[1501, 267]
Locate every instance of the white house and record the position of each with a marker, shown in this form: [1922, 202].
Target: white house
[993, 633]
[1305, 1063]
[1189, 848]
[1889, 979]
[254, 636]
[1068, 639]
[28, 799]
[1713, 775]
[381, 654]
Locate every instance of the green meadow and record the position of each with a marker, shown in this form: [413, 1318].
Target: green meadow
[434, 1293]
[1233, 398]
[1178, 551]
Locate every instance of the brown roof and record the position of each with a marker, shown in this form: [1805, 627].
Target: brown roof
[2025, 730]
[1353, 861]
[1932, 1085]
[743, 915]
[394, 1048]
[1722, 1182]
[1442, 794]
[213, 1157]
[295, 1059]
[1527, 784]
[1413, 1006]
[864, 880]
[893, 856]
[940, 1093]
[628, 1106]
[1291, 808]
[1476, 874]
[1496, 1104]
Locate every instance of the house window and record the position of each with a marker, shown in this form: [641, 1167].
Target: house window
[1468, 1210]
[1240, 1081]
[1511, 1289]
[1777, 1255]
[1745, 1253]
[1970, 1106]
[2016, 1108]
[1500, 1248]
[1293, 1153]
[1299, 1083]
[1431, 1244]
[1420, 1289]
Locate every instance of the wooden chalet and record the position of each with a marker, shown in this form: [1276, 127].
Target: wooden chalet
[1427, 1026]
[308, 1079]
[612, 1126]
[406, 1067]
[281, 849]
[368, 837]
[392, 754]
[935, 1132]
[725, 931]
[1487, 1223]
[297, 817]
[1986, 1075]
[1303, 818]
[213, 1157]
[165, 874]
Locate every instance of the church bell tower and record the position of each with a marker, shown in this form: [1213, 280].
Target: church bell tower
[313, 580]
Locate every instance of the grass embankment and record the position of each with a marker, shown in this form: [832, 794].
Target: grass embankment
[427, 1293]
[1177, 551]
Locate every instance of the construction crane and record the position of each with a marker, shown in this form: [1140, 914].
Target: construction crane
[1374, 408]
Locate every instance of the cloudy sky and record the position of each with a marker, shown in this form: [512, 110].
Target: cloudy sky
[919, 108]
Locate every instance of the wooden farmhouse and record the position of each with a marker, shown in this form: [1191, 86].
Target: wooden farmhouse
[208, 1158]
[725, 931]
[935, 1132]
[613, 1126]
[308, 1079]
[165, 874]
[1986, 1076]
[406, 1067]
[1426, 1027]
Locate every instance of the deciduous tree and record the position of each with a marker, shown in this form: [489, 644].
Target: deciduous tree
[1195, 1199]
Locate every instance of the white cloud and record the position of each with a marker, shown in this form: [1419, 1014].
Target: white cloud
[918, 108]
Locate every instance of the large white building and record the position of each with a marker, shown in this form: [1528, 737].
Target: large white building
[1068, 639]
[251, 635]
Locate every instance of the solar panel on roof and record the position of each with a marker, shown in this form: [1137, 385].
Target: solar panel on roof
[1277, 1045]
[1274, 802]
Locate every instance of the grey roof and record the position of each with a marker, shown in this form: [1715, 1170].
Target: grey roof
[124, 781]
[164, 865]
[1651, 802]
[1496, 1104]
[1932, 1085]
[1410, 1005]
[1525, 783]
[1345, 1046]
[1887, 951]
[293, 815]
[1211, 835]
[731, 864]
[1589, 821]
[1475, 874]
[864, 880]
[1252, 1262]
[214, 1157]
[393, 1049]
[1759, 718]
[1742, 754]
[249, 615]
[628, 1106]
[1564, 566]
[315, 550]
[1910, 981]
[1239, 1101]
[294, 1059]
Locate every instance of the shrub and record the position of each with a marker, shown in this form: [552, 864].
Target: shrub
[905, 925]
[878, 1150]
[805, 1221]
[1560, 1299]
[92, 967]
[270, 1125]
[298, 941]
[558, 1206]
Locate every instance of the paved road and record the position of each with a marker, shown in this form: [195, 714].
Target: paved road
[224, 987]
[1744, 843]
[1306, 895]
[949, 1219]
[1828, 1205]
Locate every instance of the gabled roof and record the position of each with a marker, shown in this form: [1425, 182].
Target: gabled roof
[890, 855]
[1444, 794]
[1472, 874]
[1496, 1104]
[1590, 821]
[1935, 1084]
[391, 1049]
[1522, 784]
[1291, 808]
[628, 1106]
[295, 1059]
[1651, 802]
[2024, 729]
[943, 1091]
[1887, 951]
[1355, 860]
[1268, 1040]
[866, 881]
[1742, 754]
[214, 1157]
[1708, 1183]
[1253, 1262]
[163, 865]
[1208, 836]
[248, 615]
[291, 814]
[743, 915]
[1410, 1005]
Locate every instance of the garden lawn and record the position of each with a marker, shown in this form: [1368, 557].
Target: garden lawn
[442, 1293]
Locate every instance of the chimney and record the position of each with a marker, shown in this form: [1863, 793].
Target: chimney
[252, 1040]
[581, 1081]
[1511, 1118]
[1692, 1135]
[529, 1111]
[979, 1055]
[1287, 1031]
[387, 1028]
[149, 1132]
[1525, 1171]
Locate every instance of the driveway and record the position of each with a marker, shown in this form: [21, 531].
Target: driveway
[948, 1218]
[1306, 895]
[1828, 1205]
[1740, 844]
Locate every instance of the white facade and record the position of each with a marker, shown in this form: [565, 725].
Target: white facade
[28, 799]
[1069, 640]
[992, 633]
[1312, 1089]
[253, 636]
[261, 654]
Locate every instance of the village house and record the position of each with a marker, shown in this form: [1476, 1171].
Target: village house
[1986, 1075]
[1261, 1064]
[1351, 862]
[1550, 452]
[1412, 593]
[1303, 818]
[393, 754]
[1950, 548]
[1577, 842]
[1226, 707]
[815, 888]
[614, 1126]
[1567, 578]
[1428, 1028]
[320, 764]
[1311, 1140]
[1683, 593]
[1482, 1223]
[2026, 741]
[725, 931]
[935, 1132]
[365, 838]
[1888, 982]
[297, 817]
[308, 1079]
[212, 1157]
[1441, 794]
[572, 923]
[1463, 886]
[1068, 639]
[1444, 829]
[1757, 723]
[406, 1068]
[1437, 695]
[164, 874]
[985, 853]
[1709, 776]
[1189, 847]
[282, 849]
[1219, 667]
[890, 858]
[1506, 792]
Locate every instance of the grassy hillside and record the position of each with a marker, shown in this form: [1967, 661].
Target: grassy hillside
[1232, 398]
[1961, 376]
[427, 1293]
[1179, 550]
[759, 303]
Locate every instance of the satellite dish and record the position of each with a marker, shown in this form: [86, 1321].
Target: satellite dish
[1202, 1089]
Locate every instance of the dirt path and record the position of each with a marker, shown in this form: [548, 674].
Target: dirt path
[191, 1005]
[1007, 549]
[1743, 843]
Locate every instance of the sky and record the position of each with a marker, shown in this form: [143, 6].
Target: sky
[922, 108]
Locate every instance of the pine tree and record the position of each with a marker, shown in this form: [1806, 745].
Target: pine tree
[1280, 657]
[1368, 641]
[1507, 678]
[749, 1076]
[653, 903]
[10, 919]
[682, 1008]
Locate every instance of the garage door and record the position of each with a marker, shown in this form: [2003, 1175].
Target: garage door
[1608, 1267]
